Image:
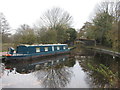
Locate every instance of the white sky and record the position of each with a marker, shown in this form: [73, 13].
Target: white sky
[19, 12]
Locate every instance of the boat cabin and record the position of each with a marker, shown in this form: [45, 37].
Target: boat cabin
[29, 49]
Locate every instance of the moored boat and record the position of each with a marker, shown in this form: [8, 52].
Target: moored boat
[34, 51]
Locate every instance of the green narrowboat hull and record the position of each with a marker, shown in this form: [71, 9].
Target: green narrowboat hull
[35, 55]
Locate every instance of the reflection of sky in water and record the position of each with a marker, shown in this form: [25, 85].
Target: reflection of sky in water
[78, 80]
[19, 80]
[74, 78]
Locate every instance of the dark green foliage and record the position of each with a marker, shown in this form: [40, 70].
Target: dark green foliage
[56, 35]
[103, 23]
[48, 37]
[61, 34]
[72, 34]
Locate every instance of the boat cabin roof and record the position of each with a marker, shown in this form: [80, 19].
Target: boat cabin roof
[43, 45]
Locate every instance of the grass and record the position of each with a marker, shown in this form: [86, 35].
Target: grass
[5, 46]
[106, 73]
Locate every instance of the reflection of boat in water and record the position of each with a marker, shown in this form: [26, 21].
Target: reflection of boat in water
[32, 65]
[34, 51]
[51, 72]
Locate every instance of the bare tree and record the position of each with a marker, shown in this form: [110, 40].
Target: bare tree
[112, 8]
[25, 35]
[117, 11]
[55, 22]
[4, 28]
[56, 17]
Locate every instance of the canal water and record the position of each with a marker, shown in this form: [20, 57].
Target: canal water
[80, 69]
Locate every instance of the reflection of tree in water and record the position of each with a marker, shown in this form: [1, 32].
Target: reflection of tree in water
[54, 77]
[102, 70]
[1, 69]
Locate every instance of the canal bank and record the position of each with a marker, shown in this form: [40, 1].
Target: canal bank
[104, 50]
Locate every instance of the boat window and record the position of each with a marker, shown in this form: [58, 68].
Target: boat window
[58, 48]
[46, 48]
[52, 48]
[64, 47]
[37, 49]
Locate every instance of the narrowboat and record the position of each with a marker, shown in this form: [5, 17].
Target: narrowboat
[33, 51]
